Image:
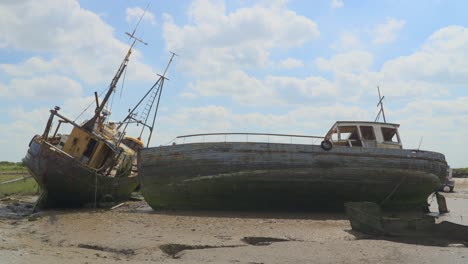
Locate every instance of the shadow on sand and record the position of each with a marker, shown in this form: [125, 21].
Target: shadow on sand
[422, 241]
[300, 215]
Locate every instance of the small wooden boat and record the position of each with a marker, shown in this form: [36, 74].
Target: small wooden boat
[369, 218]
[356, 161]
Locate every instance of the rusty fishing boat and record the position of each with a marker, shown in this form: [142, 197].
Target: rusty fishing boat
[95, 162]
[354, 161]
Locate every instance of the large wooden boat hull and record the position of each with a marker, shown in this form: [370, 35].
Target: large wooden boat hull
[285, 176]
[64, 181]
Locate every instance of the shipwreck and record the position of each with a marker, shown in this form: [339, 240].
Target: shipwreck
[354, 161]
[94, 162]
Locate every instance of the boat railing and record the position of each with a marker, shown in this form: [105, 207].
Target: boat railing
[249, 137]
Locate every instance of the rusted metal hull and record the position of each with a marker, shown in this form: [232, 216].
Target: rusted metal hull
[66, 182]
[285, 176]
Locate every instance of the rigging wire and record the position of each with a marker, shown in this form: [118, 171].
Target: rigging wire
[86, 109]
[172, 140]
[131, 36]
[123, 82]
[111, 105]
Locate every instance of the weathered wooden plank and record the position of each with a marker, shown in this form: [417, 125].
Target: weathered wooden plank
[246, 174]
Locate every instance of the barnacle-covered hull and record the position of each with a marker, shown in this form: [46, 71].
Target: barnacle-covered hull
[246, 175]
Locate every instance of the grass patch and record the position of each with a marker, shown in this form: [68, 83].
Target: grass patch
[14, 167]
[5, 168]
[15, 170]
[26, 186]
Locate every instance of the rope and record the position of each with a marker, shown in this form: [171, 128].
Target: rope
[172, 140]
[394, 190]
[369, 215]
[95, 189]
[111, 104]
[86, 109]
[123, 82]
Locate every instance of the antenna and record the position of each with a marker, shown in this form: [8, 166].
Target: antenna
[136, 26]
[89, 125]
[381, 107]
[169, 63]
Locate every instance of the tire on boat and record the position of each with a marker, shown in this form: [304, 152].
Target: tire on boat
[106, 201]
[446, 189]
[326, 145]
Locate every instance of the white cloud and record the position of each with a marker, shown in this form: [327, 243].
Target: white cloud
[438, 122]
[133, 15]
[311, 87]
[438, 68]
[32, 66]
[272, 90]
[27, 123]
[291, 63]
[44, 87]
[188, 95]
[387, 33]
[346, 42]
[243, 37]
[443, 58]
[70, 36]
[3, 90]
[354, 61]
[33, 26]
[307, 120]
[241, 87]
[337, 3]
[217, 47]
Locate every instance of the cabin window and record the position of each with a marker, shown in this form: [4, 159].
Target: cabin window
[89, 148]
[390, 135]
[349, 132]
[367, 133]
[334, 135]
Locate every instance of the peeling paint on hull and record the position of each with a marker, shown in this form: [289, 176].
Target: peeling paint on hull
[272, 176]
[68, 183]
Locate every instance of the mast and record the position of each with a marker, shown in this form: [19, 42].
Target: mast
[381, 107]
[154, 95]
[89, 125]
[162, 78]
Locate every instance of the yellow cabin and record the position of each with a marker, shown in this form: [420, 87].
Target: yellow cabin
[87, 148]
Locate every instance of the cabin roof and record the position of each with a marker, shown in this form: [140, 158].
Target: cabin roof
[358, 123]
[365, 123]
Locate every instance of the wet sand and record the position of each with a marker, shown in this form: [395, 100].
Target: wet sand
[134, 233]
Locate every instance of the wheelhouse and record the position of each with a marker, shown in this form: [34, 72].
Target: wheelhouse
[365, 134]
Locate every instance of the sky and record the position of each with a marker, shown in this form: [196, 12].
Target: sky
[291, 67]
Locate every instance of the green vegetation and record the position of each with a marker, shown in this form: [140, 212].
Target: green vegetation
[7, 166]
[462, 170]
[26, 186]
[15, 170]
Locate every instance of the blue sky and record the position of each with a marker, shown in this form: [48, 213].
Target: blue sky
[244, 66]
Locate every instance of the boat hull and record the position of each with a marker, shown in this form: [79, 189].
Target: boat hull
[65, 182]
[285, 176]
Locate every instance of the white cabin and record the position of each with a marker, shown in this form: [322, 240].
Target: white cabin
[365, 134]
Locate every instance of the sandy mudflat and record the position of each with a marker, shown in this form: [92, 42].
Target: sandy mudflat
[134, 233]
